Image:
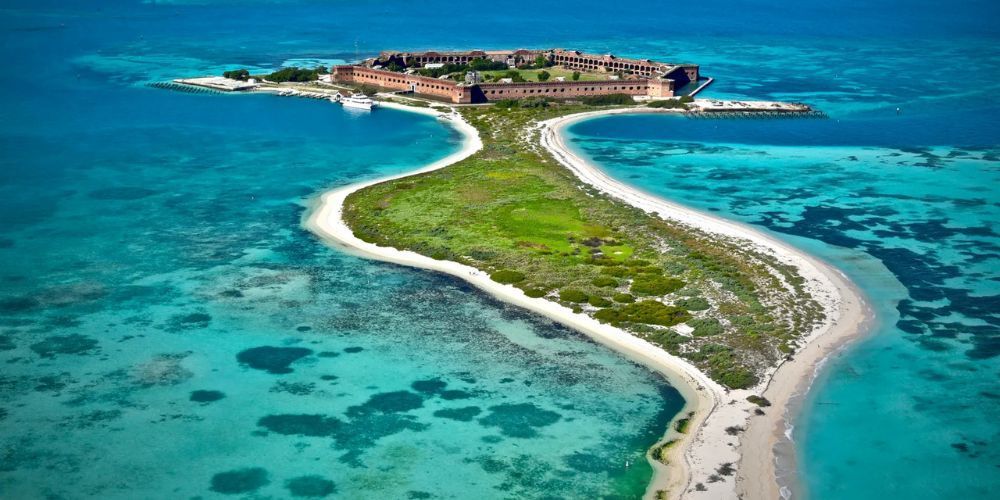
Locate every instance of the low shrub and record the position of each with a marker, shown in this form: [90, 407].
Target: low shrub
[759, 400]
[668, 104]
[648, 312]
[507, 276]
[608, 100]
[654, 284]
[571, 295]
[598, 301]
[693, 304]
[705, 327]
[618, 271]
[605, 281]
[624, 298]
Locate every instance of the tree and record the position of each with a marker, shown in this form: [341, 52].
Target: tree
[540, 61]
[543, 76]
[239, 74]
[576, 76]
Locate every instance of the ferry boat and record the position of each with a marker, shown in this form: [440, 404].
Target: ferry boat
[356, 101]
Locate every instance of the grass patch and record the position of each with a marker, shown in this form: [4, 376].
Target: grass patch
[513, 210]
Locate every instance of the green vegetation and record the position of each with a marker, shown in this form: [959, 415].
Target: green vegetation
[543, 76]
[660, 452]
[512, 210]
[531, 75]
[294, 74]
[571, 295]
[758, 400]
[655, 284]
[608, 100]
[681, 103]
[649, 312]
[239, 74]
[705, 327]
[604, 281]
[507, 276]
[681, 424]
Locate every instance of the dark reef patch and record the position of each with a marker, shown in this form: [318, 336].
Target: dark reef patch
[519, 420]
[353, 350]
[64, 344]
[274, 360]
[203, 396]
[301, 425]
[239, 481]
[461, 414]
[17, 305]
[193, 321]
[455, 394]
[432, 386]
[387, 402]
[310, 486]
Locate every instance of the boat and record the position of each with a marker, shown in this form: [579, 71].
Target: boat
[356, 101]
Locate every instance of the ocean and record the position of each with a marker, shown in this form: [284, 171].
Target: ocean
[168, 329]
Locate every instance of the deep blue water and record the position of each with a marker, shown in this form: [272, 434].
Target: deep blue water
[167, 329]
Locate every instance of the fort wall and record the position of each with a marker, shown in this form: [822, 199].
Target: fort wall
[643, 76]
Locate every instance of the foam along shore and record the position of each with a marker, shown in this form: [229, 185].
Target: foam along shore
[705, 446]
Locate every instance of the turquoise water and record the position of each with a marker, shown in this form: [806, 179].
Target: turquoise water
[168, 330]
[908, 206]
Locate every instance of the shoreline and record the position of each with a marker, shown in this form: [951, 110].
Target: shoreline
[848, 317]
[705, 445]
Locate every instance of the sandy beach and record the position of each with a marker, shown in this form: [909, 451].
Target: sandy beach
[706, 445]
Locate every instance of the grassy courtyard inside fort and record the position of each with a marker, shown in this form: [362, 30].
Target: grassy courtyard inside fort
[531, 75]
[513, 211]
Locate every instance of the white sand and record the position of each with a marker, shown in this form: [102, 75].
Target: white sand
[706, 444]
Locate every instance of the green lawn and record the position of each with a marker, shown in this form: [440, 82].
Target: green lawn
[512, 211]
[531, 75]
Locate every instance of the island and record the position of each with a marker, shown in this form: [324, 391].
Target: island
[737, 320]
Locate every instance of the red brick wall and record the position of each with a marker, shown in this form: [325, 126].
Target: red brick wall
[447, 89]
[562, 90]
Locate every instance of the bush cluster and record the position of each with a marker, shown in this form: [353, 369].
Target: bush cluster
[295, 74]
[239, 74]
[605, 281]
[506, 276]
[608, 100]
[571, 295]
[649, 312]
[655, 284]
[705, 327]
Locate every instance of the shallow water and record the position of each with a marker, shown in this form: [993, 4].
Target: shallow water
[167, 328]
[158, 297]
[907, 412]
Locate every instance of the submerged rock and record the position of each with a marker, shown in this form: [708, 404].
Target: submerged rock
[239, 481]
[64, 344]
[274, 360]
[310, 486]
[206, 396]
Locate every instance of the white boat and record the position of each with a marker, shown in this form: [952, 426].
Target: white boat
[356, 101]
